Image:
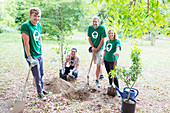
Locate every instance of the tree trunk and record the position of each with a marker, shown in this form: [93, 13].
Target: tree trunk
[130, 90]
[148, 6]
[62, 56]
[134, 2]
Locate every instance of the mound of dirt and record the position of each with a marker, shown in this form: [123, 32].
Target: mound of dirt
[66, 89]
[60, 86]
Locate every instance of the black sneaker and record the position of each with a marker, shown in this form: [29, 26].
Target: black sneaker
[42, 96]
[45, 92]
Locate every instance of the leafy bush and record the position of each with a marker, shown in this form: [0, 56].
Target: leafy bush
[129, 76]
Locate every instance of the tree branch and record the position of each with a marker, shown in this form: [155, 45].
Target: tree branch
[134, 2]
[130, 89]
[163, 1]
[130, 4]
[148, 6]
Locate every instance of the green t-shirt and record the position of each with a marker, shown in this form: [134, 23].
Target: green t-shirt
[34, 33]
[72, 60]
[96, 35]
[110, 48]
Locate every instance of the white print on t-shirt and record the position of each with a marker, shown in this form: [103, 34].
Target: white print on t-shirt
[94, 34]
[36, 35]
[109, 47]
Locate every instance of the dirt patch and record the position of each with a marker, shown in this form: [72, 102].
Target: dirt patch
[60, 86]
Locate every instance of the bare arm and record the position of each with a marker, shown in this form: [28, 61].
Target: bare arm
[26, 44]
[40, 40]
[103, 57]
[117, 51]
[100, 44]
[77, 65]
[90, 42]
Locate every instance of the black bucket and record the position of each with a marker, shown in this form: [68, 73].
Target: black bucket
[128, 106]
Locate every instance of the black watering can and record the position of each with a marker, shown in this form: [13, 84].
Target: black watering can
[133, 93]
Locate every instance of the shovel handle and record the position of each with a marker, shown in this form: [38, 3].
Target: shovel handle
[115, 62]
[90, 69]
[26, 82]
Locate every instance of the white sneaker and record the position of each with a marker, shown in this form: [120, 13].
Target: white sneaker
[42, 96]
[107, 86]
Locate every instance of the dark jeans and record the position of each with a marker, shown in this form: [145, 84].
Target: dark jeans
[67, 70]
[109, 66]
[38, 73]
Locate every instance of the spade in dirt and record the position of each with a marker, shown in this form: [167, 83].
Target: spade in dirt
[89, 70]
[111, 90]
[19, 105]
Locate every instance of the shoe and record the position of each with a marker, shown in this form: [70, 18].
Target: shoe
[97, 83]
[70, 77]
[107, 86]
[42, 96]
[101, 77]
[118, 94]
[45, 92]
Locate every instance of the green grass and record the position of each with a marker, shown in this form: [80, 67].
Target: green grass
[155, 59]
[11, 53]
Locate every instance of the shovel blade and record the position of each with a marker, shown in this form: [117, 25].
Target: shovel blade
[19, 106]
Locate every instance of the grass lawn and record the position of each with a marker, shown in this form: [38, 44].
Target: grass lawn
[153, 86]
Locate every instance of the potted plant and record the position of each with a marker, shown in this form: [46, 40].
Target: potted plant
[129, 77]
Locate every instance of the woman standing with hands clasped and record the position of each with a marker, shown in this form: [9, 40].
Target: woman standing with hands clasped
[111, 54]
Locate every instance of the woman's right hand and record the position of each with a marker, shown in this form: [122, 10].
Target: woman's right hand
[102, 62]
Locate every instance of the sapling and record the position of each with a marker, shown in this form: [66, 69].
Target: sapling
[129, 76]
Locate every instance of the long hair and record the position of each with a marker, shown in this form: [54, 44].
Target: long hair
[115, 34]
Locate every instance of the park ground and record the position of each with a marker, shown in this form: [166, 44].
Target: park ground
[153, 85]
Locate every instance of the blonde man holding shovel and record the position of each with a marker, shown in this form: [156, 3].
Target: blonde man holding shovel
[97, 34]
[31, 31]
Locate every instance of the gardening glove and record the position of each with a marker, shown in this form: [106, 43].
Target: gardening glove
[71, 72]
[32, 61]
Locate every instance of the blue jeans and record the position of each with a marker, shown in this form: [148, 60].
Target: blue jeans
[67, 70]
[38, 73]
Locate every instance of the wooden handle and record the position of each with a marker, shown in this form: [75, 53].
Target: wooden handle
[115, 62]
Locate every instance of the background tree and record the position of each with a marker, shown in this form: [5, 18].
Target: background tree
[134, 18]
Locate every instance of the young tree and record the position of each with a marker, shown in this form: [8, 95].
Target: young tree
[59, 19]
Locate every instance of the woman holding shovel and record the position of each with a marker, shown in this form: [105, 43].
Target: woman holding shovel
[110, 55]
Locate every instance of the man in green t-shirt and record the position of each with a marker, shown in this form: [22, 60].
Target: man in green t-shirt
[97, 34]
[31, 31]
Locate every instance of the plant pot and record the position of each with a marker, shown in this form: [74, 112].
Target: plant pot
[128, 106]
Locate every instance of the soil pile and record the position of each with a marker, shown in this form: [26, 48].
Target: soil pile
[66, 89]
[60, 86]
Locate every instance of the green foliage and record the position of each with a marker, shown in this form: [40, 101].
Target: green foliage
[130, 75]
[132, 17]
[58, 19]
[61, 16]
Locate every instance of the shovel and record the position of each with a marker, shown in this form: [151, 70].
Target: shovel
[19, 105]
[89, 70]
[112, 91]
